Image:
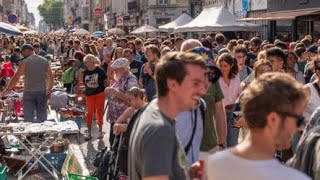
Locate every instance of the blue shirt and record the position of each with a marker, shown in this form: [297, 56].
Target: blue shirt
[135, 67]
[148, 83]
[185, 122]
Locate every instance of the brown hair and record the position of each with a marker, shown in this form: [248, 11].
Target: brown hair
[173, 66]
[137, 92]
[153, 48]
[260, 63]
[94, 49]
[257, 103]
[240, 49]
[226, 57]
[220, 38]
[134, 46]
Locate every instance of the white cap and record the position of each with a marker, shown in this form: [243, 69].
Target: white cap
[120, 63]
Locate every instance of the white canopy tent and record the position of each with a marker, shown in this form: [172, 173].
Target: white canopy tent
[144, 29]
[81, 31]
[216, 19]
[181, 20]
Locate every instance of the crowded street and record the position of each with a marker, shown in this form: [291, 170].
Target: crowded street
[159, 90]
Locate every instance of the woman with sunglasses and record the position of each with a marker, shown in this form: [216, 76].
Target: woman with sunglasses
[313, 91]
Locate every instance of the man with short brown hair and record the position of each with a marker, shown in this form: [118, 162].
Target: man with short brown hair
[155, 152]
[272, 107]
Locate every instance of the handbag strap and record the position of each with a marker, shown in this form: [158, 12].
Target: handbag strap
[316, 87]
[194, 121]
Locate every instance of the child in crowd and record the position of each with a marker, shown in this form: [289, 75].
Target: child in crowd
[136, 100]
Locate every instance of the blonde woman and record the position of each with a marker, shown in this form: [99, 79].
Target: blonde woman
[94, 50]
[93, 79]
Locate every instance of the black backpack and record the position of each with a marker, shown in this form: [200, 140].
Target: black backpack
[125, 146]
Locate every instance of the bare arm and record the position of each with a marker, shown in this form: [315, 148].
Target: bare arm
[49, 79]
[221, 123]
[156, 178]
[123, 118]
[16, 77]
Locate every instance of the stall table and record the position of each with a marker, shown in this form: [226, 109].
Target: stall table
[53, 131]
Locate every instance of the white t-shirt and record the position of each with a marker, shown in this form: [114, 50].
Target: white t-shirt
[227, 166]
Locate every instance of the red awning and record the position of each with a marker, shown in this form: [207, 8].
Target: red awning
[283, 15]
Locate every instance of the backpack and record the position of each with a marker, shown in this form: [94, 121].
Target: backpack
[68, 76]
[125, 146]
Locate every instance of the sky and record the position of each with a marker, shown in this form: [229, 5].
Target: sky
[32, 8]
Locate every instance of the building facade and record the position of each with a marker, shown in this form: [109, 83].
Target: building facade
[19, 8]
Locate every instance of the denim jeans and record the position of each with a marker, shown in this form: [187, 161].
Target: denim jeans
[35, 104]
[232, 132]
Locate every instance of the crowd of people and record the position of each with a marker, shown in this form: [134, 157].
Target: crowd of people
[247, 106]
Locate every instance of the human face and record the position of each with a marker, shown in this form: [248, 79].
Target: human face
[287, 126]
[240, 58]
[263, 69]
[130, 46]
[291, 61]
[109, 43]
[277, 63]
[317, 71]
[149, 55]
[225, 68]
[119, 53]
[91, 66]
[128, 56]
[118, 73]
[254, 47]
[36, 50]
[192, 87]
[135, 102]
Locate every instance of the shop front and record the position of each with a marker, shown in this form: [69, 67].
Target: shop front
[291, 20]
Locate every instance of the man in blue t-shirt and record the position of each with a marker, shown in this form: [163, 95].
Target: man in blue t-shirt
[147, 71]
[135, 66]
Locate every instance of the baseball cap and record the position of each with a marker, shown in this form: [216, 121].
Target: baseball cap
[214, 73]
[26, 46]
[312, 49]
[206, 54]
[120, 63]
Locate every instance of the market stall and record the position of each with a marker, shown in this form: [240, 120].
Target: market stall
[50, 133]
[216, 19]
[181, 20]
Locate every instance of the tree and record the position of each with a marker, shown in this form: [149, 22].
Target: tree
[52, 12]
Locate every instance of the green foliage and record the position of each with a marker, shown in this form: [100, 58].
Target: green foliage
[52, 12]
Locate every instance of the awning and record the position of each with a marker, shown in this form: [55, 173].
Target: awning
[283, 15]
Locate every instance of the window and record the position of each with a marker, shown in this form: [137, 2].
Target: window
[163, 2]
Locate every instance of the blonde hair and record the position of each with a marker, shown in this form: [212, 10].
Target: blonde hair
[92, 59]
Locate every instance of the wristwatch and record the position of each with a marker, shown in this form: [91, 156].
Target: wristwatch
[224, 146]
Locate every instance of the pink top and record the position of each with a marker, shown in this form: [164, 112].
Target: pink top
[231, 92]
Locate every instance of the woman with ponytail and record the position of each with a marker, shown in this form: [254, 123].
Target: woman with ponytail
[230, 86]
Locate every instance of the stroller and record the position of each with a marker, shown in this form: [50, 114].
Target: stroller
[107, 161]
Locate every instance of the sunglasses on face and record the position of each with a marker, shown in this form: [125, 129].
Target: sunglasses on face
[299, 118]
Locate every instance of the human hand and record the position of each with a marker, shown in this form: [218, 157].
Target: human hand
[196, 170]
[110, 91]
[119, 128]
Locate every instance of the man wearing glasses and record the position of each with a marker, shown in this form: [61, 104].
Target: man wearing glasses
[240, 53]
[272, 106]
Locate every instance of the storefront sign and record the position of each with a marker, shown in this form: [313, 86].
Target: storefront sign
[119, 21]
[162, 13]
[97, 12]
[12, 18]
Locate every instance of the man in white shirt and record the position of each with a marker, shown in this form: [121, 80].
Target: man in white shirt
[271, 125]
